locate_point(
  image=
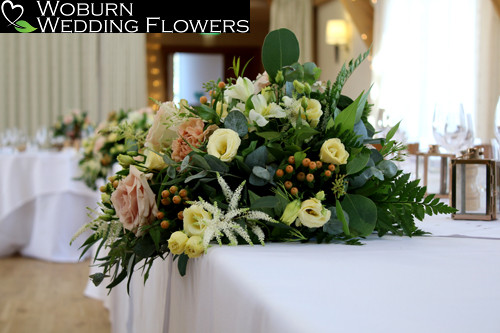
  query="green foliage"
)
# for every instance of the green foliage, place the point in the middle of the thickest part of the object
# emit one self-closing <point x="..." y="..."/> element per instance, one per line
<point x="280" y="49"/>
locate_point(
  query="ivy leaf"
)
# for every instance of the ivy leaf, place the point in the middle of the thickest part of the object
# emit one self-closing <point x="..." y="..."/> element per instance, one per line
<point x="280" y="48"/>
<point x="24" y="26"/>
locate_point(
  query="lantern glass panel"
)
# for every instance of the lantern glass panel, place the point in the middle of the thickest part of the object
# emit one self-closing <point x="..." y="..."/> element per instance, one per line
<point x="471" y="189"/>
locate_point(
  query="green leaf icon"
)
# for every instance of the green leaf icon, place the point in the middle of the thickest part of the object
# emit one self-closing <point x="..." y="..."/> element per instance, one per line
<point x="24" y="26"/>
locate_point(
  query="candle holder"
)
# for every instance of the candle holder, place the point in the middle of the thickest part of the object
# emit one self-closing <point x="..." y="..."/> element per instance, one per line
<point x="432" y="168"/>
<point x="473" y="186"/>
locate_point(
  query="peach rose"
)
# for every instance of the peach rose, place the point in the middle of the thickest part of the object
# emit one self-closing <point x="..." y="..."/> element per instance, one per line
<point x="191" y="133"/>
<point x="134" y="201"/>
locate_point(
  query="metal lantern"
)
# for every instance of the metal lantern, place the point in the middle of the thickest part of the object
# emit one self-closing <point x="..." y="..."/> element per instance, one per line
<point x="433" y="169"/>
<point x="473" y="186"/>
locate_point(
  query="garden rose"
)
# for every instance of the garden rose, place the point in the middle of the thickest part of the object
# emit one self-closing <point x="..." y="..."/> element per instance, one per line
<point x="190" y="133"/>
<point x="224" y="144"/>
<point x="177" y="242"/>
<point x="193" y="220"/>
<point x="134" y="201"/>
<point x="333" y="151"/>
<point x="312" y="214"/>
<point x="194" y="247"/>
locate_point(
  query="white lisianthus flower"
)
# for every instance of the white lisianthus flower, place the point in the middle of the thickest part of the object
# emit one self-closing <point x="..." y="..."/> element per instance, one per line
<point x="177" y="242"/>
<point x="312" y="214"/>
<point x="154" y="161"/>
<point x="313" y="112"/>
<point x="193" y="219"/>
<point x="194" y="247"/>
<point x="333" y="151"/>
<point x="263" y="111"/>
<point x="242" y="90"/>
<point x="224" y="144"/>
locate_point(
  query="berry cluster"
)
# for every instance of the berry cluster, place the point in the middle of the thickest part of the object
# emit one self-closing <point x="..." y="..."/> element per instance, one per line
<point x="302" y="175"/>
<point x="173" y="202"/>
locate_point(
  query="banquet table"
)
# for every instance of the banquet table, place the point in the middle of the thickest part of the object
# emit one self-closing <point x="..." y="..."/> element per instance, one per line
<point x="41" y="204"/>
<point x="448" y="281"/>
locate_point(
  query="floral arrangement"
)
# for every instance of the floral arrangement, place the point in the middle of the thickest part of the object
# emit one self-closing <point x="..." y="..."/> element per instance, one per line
<point x="280" y="158"/>
<point x="122" y="131"/>
<point x="72" y="126"/>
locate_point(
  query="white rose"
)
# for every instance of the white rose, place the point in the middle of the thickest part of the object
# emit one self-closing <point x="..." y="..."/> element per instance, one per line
<point x="333" y="151"/>
<point x="224" y="144"/>
<point x="312" y="214"/>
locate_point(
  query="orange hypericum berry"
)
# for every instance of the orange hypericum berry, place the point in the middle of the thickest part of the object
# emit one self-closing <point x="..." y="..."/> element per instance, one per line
<point x="160" y="215"/>
<point x="301" y="176"/>
<point x="305" y="162"/>
<point x="173" y="189"/>
<point x="289" y="169"/>
<point x="165" y="194"/>
<point x="183" y="193"/>
<point x="102" y="188"/>
<point x="280" y="173"/>
<point x="331" y="167"/>
<point x="177" y="199"/>
<point x="319" y="164"/>
<point x="203" y="99"/>
<point x="180" y="215"/>
<point x="328" y="173"/>
<point x="310" y="177"/>
<point x="164" y="224"/>
<point x="288" y="184"/>
<point x="294" y="191"/>
<point x="165" y="201"/>
<point x="211" y="92"/>
<point x="312" y="165"/>
<point x="115" y="184"/>
<point x="291" y="159"/>
<point x="222" y="85"/>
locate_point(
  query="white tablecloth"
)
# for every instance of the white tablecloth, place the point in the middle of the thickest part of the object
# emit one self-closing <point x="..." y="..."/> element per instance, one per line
<point x="448" y="282"/>
<point x="41" y="205"/>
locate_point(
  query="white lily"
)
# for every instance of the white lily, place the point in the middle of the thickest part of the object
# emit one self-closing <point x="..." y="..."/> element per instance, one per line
<point x="263" y="111"/>
<point x="242" y="90"/>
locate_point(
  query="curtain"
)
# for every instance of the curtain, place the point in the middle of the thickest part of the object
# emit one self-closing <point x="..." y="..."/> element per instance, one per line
<point x="297" y="16"/>
<point x="46" y="75"/>
<point x="425" y="51"/>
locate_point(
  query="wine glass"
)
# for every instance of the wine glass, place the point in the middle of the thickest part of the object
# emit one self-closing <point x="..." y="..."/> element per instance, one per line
<point x="469" y="137"/>
<point x="449" y="126"/>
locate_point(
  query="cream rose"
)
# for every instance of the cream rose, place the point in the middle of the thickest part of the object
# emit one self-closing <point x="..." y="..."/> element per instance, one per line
<point x="224" y="144"/>
<point x="312" y="214"/>
<point x="333" y="151"/>
<point x="194" y="247"/>
<point x="134" y="201"/>
<point x="193" y="220"/>
<point x="177" y="242"/>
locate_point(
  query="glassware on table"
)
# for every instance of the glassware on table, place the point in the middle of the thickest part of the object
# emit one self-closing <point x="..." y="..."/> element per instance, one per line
<point x="449" y="126"/>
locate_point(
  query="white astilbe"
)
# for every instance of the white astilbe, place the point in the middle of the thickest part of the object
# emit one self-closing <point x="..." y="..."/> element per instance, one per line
<point x="223" y="223"/>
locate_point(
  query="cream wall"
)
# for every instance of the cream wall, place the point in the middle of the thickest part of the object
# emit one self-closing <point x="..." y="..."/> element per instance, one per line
<point x="361" y="79"/>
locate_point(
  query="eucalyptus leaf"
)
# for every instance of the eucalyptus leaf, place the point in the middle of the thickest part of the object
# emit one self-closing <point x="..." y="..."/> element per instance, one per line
<point x="236" y="121"/>
<point x="216" y="164"/>
<point x="199" y="161"/>
<point x="311" y="72"/>
<point x="280" y="48"/>
<point x="388" y="168"/>
<point x="257" y="158"/>
<point x="200" y="174"/>
<point x="261" y="173"/>
<point x="185" y="163"/>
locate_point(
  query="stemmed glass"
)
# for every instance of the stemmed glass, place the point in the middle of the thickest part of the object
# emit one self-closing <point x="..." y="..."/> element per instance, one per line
<point x="449" y="126"/>
<point x="497" y="120"/>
